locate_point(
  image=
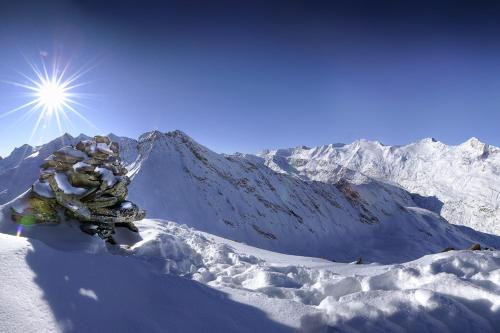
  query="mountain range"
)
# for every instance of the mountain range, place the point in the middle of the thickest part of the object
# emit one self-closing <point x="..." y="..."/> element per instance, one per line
<point x="338" y="201"/>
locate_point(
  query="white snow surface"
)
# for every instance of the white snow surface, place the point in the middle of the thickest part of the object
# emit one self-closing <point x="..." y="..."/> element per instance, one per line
<point x="43" y="189"/>
<point x="66" y="187"/>
<point x="453" y="291"/>
<point x="80" y="165"/>
<point x="107" y="176"/>
<point x="173" y="278"/>
<point x="104" y="147"/>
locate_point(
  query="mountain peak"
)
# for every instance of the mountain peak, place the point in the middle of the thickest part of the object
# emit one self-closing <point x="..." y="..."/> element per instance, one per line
<point x="473" y="142"/>
<point x="66" y="138"/>
<point x="24" y="149"/>
<point x="151" y="136"/>
<point x="112" y="135"/>
<point x="179" y="134"/>
<point x="429" y="140"/>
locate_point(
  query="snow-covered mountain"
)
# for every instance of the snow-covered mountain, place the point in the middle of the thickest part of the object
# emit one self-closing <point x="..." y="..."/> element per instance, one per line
<point x="269" y="202"/>
<point x="464" y="180"/>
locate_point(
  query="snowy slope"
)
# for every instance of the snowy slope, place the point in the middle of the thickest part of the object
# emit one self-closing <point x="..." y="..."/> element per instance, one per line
<point x="176" y="279"/>
<point x="463" y="180"/>
<point x="241" y="197"/>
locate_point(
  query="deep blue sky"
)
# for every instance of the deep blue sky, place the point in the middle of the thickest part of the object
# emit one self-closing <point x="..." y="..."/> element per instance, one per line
<point x="248" y="75"/>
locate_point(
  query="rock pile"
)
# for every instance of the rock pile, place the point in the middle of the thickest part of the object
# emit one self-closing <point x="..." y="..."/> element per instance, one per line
<point x="87" y="183"/>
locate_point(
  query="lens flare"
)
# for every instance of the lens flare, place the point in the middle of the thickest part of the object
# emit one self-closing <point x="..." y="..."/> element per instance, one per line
<point x="52" y="95"/>
<point x="19" y="230"/>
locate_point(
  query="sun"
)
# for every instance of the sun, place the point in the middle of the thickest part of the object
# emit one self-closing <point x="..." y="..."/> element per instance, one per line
<point x="52" y="95"/>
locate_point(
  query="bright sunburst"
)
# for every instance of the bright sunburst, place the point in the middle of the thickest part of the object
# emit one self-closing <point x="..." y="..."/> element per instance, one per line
<point x="52" y="95"/>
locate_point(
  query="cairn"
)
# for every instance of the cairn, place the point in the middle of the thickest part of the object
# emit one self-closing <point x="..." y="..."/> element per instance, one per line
<point x="86" y="182"/>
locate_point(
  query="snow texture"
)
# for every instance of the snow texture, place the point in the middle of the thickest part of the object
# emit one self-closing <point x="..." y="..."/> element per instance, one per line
<point x="80" y="165"/>
<point x="66" y="187"/>
<point x="43" y="189"/>
<point x="107" y="176"/>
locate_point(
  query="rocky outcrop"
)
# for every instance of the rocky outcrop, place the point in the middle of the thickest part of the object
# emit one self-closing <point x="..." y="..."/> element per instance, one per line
<point x="85" y="182"/>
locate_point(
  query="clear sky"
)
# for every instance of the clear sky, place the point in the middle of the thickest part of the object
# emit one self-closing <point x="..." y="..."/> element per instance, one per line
<point x="248" y="75"/>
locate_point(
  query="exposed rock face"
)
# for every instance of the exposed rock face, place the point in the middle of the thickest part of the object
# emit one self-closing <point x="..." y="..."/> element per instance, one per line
<point x="475" y="247"/>
<point x="86" y="182"/>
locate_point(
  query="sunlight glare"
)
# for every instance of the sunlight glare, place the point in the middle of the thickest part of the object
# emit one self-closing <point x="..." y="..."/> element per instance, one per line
<point x="52" y="96"/>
